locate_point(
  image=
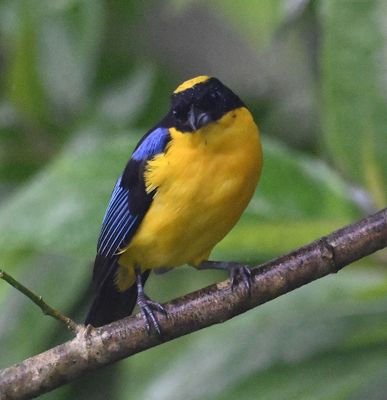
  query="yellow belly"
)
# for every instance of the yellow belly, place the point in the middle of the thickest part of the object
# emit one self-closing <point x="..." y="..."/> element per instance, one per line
<point x="204" y="182"/>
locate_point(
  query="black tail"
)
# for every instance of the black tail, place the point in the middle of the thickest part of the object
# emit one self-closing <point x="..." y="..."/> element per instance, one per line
<point x="111" y="305"/>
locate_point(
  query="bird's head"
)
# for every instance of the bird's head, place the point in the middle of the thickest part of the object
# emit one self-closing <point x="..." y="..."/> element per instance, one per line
<point x="200" y="101"/>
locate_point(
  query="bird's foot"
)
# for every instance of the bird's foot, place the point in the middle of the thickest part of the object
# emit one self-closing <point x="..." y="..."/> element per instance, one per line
<point x="240" y="273"/>
<point x="237" y="272"/>
<point x="147" y="308"/>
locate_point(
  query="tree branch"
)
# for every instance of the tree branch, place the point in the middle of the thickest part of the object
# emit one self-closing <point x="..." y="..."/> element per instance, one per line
<point x="214" y="304"/>
<point x="38" y="300"/>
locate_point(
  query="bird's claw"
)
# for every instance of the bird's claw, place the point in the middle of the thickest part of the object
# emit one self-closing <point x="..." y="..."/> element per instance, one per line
<point x="147" y="308"/>
<point x="240" y="273"/>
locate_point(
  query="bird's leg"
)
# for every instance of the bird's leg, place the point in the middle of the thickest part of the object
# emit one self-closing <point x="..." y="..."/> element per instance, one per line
<point x="148" y="306"/>
<point x="236" y="272"/>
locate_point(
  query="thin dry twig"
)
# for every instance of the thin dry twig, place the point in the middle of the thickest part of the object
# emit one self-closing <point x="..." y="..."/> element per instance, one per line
<point x="38" y="300"/>
<point x="214" y="304"/>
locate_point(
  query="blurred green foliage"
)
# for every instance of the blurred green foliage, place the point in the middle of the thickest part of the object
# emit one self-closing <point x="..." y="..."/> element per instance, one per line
<point x="82" y="80"/>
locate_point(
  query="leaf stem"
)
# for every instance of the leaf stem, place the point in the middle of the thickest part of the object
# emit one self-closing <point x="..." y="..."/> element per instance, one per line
<point x="38" y="300"/>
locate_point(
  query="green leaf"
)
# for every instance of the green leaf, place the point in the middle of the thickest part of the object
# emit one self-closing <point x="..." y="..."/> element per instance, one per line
<point x="123" y="102"/>
<point x="258" y="24"/>
<point x="24" y="87"/>
<point x="353" y="83"/>
<point x="48" y="235"/>
<point x="70" y="35"/>
<point x="68" y="198"/>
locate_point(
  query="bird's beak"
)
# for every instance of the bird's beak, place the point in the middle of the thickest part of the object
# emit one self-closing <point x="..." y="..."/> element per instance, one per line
<point x="197" y="118"/>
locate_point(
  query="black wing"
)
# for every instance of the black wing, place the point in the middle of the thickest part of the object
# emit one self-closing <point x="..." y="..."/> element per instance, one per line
<point x="128" y="205"/>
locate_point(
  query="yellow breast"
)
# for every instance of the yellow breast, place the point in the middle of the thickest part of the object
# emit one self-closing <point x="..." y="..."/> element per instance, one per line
<point x="204" y="181"/>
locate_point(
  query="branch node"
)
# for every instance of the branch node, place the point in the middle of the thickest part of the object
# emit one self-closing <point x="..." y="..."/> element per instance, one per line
<point x="332" y="254"/>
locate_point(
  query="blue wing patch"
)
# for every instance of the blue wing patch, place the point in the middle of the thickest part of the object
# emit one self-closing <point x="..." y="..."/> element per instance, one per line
<point x="127" y="207"/>
<point x="117" y="223"/>
<point x="129" y="201"/>
<point x="151" y="144"/>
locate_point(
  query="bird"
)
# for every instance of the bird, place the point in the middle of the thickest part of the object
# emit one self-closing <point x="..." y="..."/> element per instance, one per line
<point x="185" y="186"/>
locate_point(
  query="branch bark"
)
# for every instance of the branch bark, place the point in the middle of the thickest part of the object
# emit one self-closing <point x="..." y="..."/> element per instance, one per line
<point x="211" y="305"/>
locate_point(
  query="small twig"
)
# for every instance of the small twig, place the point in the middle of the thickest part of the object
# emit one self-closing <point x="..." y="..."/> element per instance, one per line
<point x="38" y="300"/>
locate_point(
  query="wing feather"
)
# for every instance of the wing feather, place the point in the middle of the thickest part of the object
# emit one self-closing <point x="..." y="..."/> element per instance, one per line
<point x="128" y="204"/>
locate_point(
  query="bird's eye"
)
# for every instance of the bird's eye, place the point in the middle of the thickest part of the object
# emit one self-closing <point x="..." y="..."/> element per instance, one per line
<point x="180" y="113"/>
